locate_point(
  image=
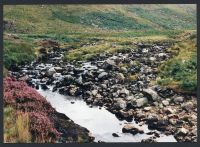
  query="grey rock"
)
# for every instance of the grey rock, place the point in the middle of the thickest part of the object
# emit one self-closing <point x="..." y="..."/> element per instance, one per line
<point x="187" y="106"/>
<point x="124" y="92"/>
<point x="165" y="102"/>
<point x="102" y="75"/>
<point x="120" y="77"/>
<point x="151" y="94"/>
<point x="51" y="71"/>
<point x="120" y="104"/>
<point x="141" y="102"/>
<point x="178" y="99"/>
<point x="129" y="128"/>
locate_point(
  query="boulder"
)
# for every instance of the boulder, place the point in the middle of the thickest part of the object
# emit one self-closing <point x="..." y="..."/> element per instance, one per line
<point x="102" y="75"/>
<point x="123" y="93"/>
<point x="165" y="102"/>
<point x="51" y="71"/>
<point x="120" y="77"/>
<point x="109" y="64"/>
<point x="182" y="131"/>
<point x="94" y="92"/>
<point x="120" y="104"/>
<point x="151" y="94"/>
<point x="188" y="106"/>
<point x="115" y="135"/>
<point x="124" y="69"/>
<point x="129" y="128"/>
<point x="44" y="86"/>
<point x="178" y="99"/>
<point x="141" y="102"/>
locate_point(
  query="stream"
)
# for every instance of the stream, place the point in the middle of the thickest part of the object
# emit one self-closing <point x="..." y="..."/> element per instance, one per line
<point x="56" y="80"/>
<point x="100" y="122"/>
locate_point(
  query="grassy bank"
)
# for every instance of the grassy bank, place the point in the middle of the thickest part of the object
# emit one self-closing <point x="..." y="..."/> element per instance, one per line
<point x="180" y="72"/>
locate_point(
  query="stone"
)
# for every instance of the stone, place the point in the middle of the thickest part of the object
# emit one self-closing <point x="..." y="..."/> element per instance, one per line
<point x="152" y="58"/>
<point x="51" y="71"/>
<point x="102" y="75"/>
<point x="165" y="102"/>
<point x="187" y="106"/>
<point x="145" y="50"/>
<point x="120" y="77"/>
<point x="182" y="131"/>
<point x="108" y="64"/>
<point x="115" y="135"/>
<point x="120" y="104"/>
<point x="141" y="102"/>
<point x="124" y="69"/>
<point x="94" y="92"/>
<point x="170" y="111"/>
<point x="147" y="108"/>
<point x="178" y="99"/>
<point x="44" y="86"/>
<point x="151" y="94"/>
<point x="124" y="92"/>
<point x="129" y="128"/>
<point x="58" y="69"/>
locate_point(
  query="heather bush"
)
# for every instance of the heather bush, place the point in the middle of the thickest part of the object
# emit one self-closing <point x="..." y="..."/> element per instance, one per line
<point x="27" y="100"/>
<point x="42" y="128"/>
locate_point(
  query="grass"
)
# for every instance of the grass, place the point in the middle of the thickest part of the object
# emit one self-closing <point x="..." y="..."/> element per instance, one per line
<point x="17" y="52"/>
<point x="87" y="49"/>
<point x="180" y="72"/>
<point x="16" y="126"/>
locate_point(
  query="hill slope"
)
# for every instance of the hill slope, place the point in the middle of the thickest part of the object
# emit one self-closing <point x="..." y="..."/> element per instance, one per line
<point x="47" y="19"/>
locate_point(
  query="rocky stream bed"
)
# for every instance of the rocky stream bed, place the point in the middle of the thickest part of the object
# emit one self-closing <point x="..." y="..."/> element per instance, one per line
<point x="119" y="84"/>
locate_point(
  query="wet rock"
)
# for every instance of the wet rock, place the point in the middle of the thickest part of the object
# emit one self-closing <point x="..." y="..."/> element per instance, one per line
<point x="122" y="115"/>
<point x="54" y="89"/>
<point x="58" y="69"/>
<point x="79" y="80"/>
<point x="149" y="140"/>
<point x="103" y="75"/>
<point x="44" y="86"/>
<point x="37" y="86"/>
<point x="50" y="72"/>
<point x="115" y="135"/>
<point x="129" y="128"/>
<point x="152" y="120"/>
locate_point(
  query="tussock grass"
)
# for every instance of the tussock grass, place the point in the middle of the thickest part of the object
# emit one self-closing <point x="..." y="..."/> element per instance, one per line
<point x="16" y="126"/>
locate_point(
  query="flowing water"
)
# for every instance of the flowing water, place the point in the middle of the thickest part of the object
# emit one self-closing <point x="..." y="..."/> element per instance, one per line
<point x="100" y="122"/>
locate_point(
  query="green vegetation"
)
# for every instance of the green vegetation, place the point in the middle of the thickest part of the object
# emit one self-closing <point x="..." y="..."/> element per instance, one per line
<point x="110" y="27"/>
<point x="17" y="52"/>
<point x="92" y="29"/>
<point x="180" y="72"/>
